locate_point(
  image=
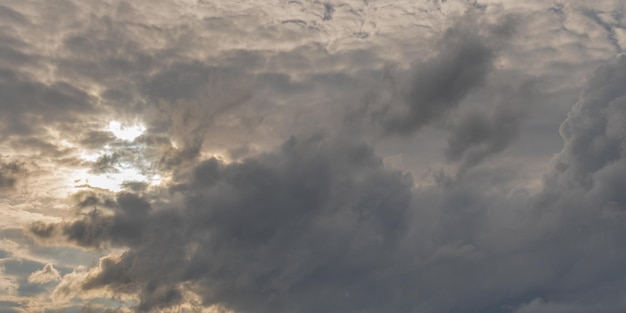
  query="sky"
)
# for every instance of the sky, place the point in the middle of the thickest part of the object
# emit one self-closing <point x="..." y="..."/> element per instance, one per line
<point x="349" y="156"/>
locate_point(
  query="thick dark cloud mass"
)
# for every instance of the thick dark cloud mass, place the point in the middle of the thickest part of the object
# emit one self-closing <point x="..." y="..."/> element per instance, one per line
<point x="320" y="225"/>
<point x="310" y="228"/>
<point x="304" y="156"/>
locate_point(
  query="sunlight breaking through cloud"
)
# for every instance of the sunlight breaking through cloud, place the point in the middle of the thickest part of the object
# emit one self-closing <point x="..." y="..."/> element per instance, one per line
<point x="312" y="156"/>
<point x="125" y="132"/>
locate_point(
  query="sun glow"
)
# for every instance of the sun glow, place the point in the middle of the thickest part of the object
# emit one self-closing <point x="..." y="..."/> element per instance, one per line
<point x="110" y="181"/>
<point x="114" y="182"/>
<point x="121" y="171"/>
<point x="123" y="132"/>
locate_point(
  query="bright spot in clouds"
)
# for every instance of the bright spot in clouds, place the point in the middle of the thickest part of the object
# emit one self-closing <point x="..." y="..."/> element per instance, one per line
<point x="125" y="172"/>
<point x="109" y="181"/>
<point x="113" y="181"/>
<point x="123" y="132"/>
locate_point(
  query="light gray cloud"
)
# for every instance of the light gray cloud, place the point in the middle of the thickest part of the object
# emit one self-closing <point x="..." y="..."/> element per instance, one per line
<point x="594" y="131"/>
<point x="45" y="275"/>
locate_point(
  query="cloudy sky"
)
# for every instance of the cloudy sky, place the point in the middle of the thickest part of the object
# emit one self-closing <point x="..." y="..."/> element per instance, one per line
<point x="349" y="156"/>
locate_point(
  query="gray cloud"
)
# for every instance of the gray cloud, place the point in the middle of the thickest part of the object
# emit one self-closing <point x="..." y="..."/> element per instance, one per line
<point x="96" y="139"/>
<point x="320" y="225"/>
<point x="478" y="136"/>
<point x="22" y="95"/>
<point x="479" y="133"/>
<point x="461" y="64"/>
<point x="10" y="174"/>
<point x="10" y="306"/>
<point x="580" y="202"/>
<point x="12" y="15"/>
<point x="594" y="129"/>
<point x="610" y="29"/>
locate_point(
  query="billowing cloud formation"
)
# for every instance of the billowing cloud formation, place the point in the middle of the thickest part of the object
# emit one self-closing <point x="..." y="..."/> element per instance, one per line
<point x="303" y="156"/>
<point x="313" y="219"/>
<point x="580" y="208"/>
<point x="595" y="130"/>
<point x="45" y="275"/>
<point x="320" y="225"/>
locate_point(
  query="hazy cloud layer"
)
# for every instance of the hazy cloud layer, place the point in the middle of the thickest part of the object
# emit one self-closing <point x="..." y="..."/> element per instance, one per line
<point x="339" y="156"/>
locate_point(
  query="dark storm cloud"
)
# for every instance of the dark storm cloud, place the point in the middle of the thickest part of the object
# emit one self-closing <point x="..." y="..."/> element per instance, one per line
<point x="320" y="225"/>
<point x="462" y="61"/>
<point x="315" y="214"/>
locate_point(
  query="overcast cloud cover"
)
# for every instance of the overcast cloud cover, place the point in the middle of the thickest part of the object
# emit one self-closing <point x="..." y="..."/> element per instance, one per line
<point x="310" y="157"/>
